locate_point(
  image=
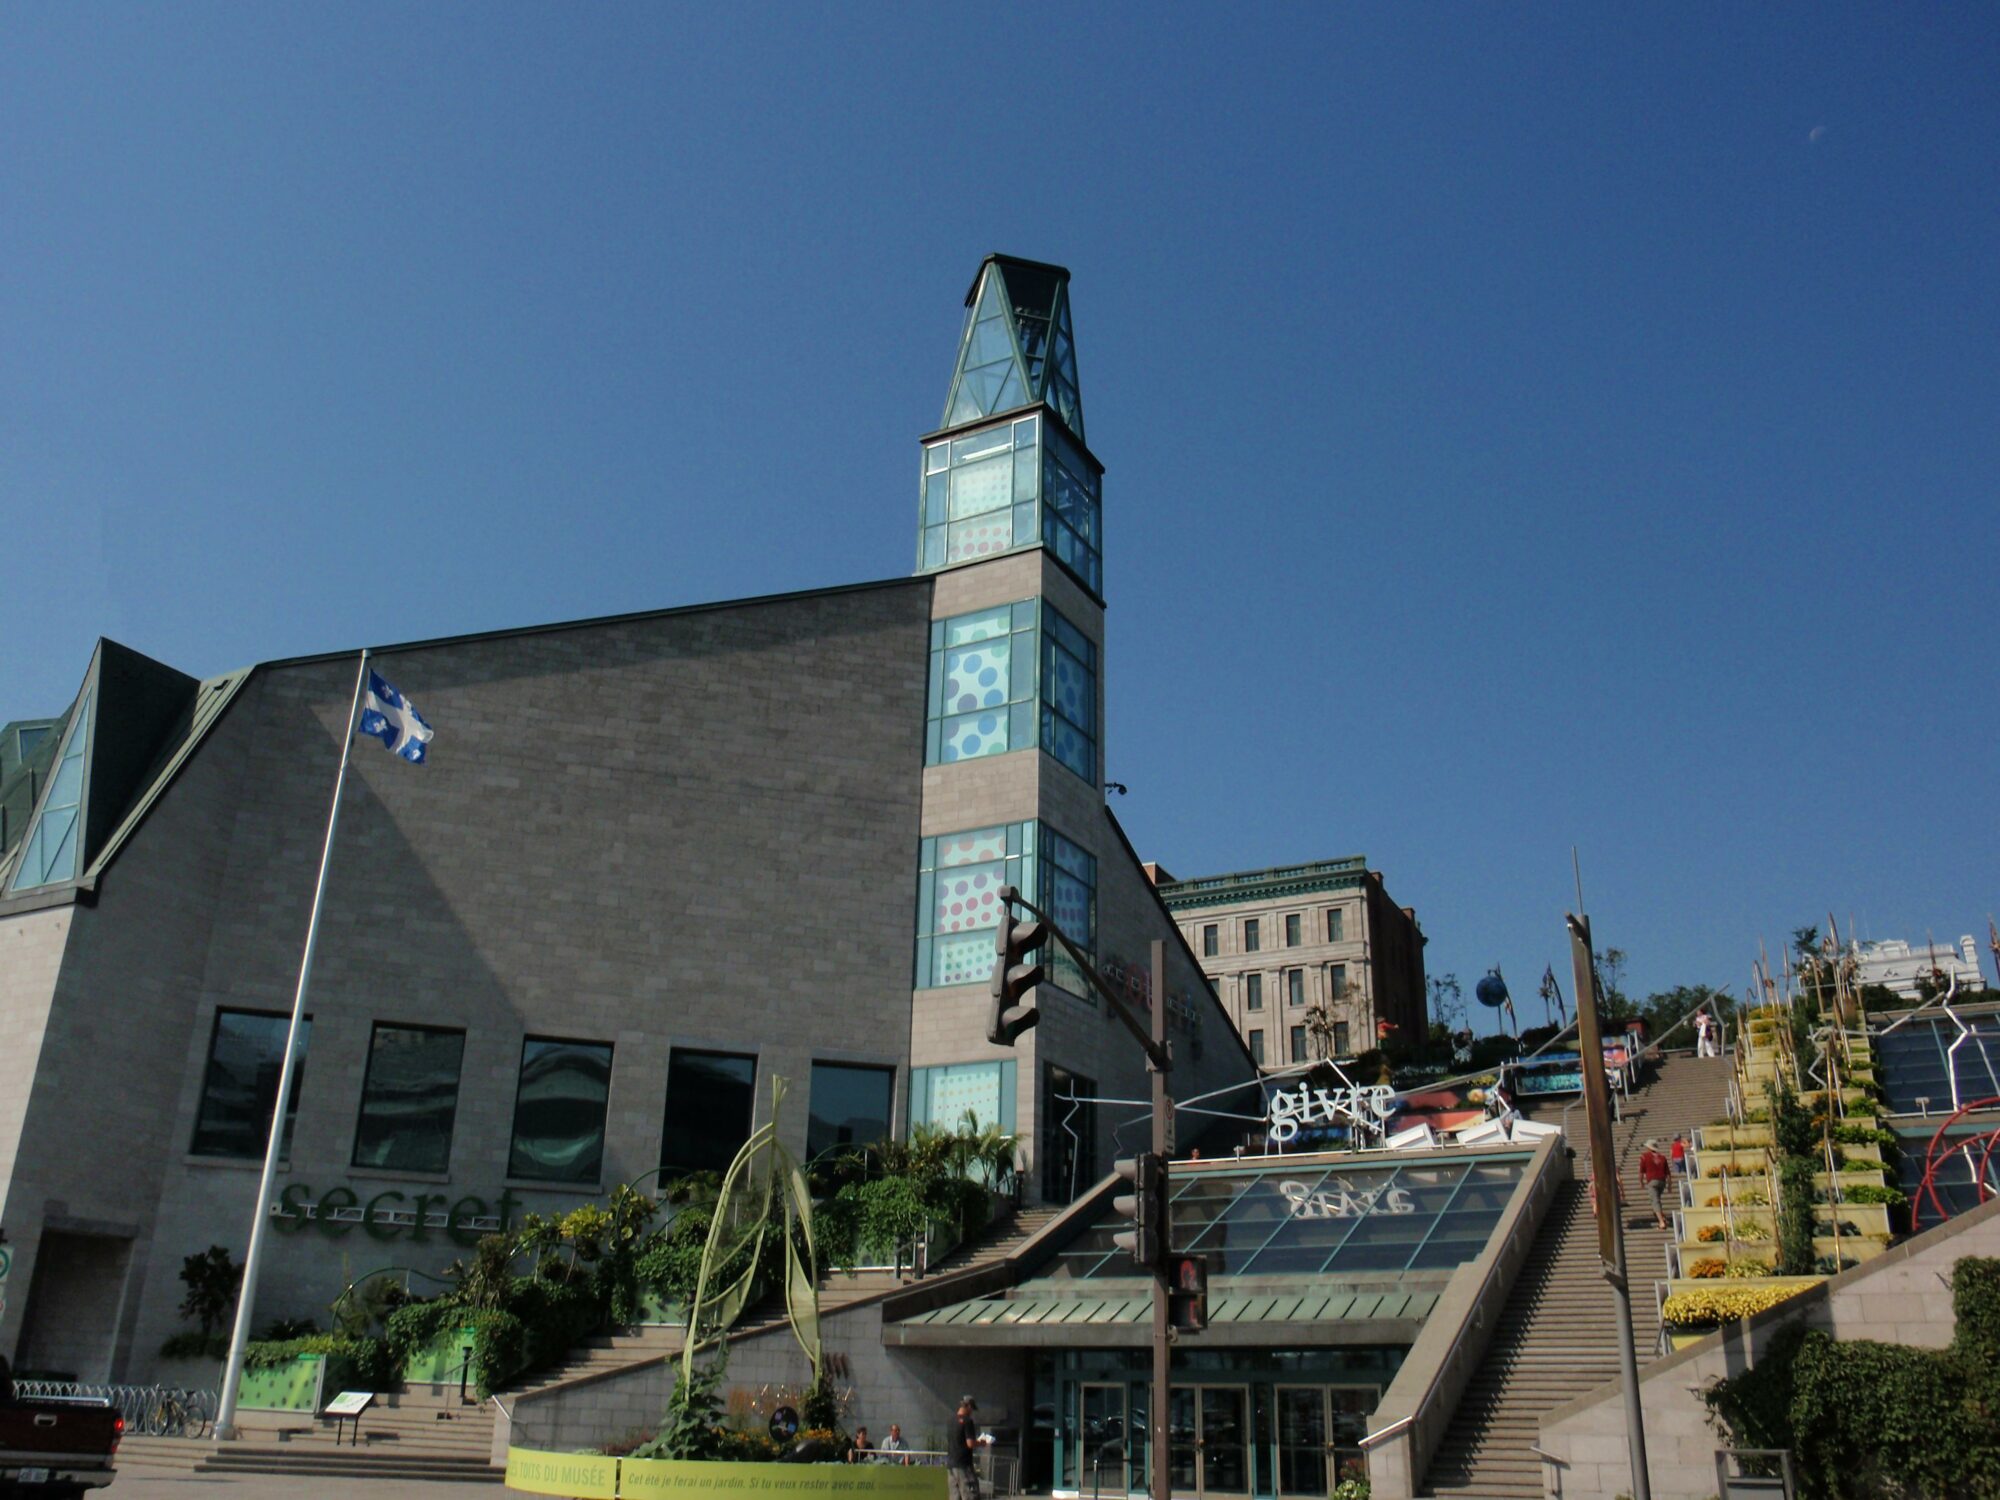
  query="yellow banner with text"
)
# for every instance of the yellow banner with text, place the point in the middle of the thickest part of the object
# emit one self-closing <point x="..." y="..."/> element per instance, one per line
<point x="590" y="1476"/>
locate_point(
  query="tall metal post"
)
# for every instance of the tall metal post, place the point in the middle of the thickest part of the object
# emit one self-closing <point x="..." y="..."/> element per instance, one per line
<point x="253" y="1258"/>
<point x="1163" y="1144"/>
<point x="1604" y="1172"/>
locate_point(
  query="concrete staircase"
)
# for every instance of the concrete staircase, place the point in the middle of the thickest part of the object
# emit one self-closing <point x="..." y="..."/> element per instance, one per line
<point x="412" y="1436"/>
<point x="422" y="1436"/>
<point x="1556" y="1337"/>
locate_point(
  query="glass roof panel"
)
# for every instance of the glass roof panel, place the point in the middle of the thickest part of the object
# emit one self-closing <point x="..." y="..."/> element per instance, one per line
<point x="1312" y="1216"/>
<point x="50" y="853"/>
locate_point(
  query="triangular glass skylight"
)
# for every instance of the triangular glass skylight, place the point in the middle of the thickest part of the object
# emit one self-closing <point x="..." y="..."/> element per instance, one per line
<point x="49" y="853"/>
<point x="1017" y="346"/>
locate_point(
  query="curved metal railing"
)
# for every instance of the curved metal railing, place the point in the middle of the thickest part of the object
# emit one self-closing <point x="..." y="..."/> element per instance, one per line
<point x="148" y="1410"/>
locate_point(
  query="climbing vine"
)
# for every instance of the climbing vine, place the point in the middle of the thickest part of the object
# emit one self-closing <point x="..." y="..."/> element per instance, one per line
<point x="1874" y="1421"/>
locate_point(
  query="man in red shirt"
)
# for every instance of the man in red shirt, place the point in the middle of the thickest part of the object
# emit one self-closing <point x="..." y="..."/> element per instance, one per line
<point x="1653" y="1171"/>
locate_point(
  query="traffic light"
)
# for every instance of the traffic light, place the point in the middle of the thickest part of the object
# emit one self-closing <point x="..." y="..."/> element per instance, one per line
<point x="1187" y="1292"/>
<point x="1013" y="974"/>
<point x="1145" y="1207"/>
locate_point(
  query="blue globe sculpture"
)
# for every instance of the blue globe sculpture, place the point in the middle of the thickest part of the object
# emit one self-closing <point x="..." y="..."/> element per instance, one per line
<point x="1491" y="991"/>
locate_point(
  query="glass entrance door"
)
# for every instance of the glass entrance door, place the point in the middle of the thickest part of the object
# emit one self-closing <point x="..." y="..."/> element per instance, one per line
<point x="1303" y="1449"/>
<point x="1101" y="1433"/>
<point x="1209" y="1436"/>
<point x="1222" y="1441"/>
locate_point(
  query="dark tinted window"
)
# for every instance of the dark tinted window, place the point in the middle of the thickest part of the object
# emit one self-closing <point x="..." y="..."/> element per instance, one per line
<point x="850" y="1106"/>
<point x="711" y="1098"/>
<point x="1210" y="941"/>
<point x="1257" y="1047"/>
<point x="410" y="1099"/>
<point x="1291" y="932"/>
<point x="240" y="1088"/>
<point x="559" y="1111"/>
<point x="1252" y="935"/>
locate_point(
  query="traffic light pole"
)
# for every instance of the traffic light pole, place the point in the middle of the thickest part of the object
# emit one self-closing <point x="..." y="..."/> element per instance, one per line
<point x="1014" y="978"/>
<point x="1158" y="1059"/>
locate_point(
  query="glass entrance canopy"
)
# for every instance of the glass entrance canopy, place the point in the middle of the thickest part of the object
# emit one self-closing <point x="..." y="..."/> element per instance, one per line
<point x="1312" y="1218"/>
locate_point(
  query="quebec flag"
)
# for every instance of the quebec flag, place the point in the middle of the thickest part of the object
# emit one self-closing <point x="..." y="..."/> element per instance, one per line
<point x="393" y="719"/>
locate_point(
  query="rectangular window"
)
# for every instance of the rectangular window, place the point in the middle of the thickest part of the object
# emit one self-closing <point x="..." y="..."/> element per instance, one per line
<point x="1336" y="926"/>
<point x="1292" y="935"/>
<point x="711" y="1102"/>
<point x="1211" y="941"/>
<point x="850" y="1106"/>
<point x="1069" y="695"/>
<point x="979" y="494"/>
<point x="943" y="1095"/>
<point x="959" y="876"/>
<point x="409" y="1099"/>
<point x="1253" y="991"/>
<point x="1253" y="937"/>
<point x="1299" y="1044"/>
<point x="559" y="1111"/>
<point x="982" y="684"/>
<point x="240" y="1087"/>
<point x="1070" y="514"/>
<point x="1068" y="880"/>
<point x="1336" y="980"/>
<point x="1295" y="986"/>
<point x="1257" y="1048"/>
<point x="1340" y="1038"/>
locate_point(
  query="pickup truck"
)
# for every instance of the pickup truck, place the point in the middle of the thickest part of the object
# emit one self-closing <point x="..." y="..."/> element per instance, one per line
<point x="54" y="1449"/>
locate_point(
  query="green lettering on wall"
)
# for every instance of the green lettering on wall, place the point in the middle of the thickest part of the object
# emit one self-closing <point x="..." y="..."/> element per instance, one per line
<point x="291" y="1215"/>
<point x="457" y="1226"/>
<point x="331" y="1199"/>
<point x="375" y="1228"/>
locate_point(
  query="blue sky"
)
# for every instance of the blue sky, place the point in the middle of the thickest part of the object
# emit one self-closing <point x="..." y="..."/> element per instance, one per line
<point x="1525" y="426"/>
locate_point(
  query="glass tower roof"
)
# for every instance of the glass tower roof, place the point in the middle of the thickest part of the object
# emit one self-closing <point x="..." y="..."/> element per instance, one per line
<point x="1018" y="346"/>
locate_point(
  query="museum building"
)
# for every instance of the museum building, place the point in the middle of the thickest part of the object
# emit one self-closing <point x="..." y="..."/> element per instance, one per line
<point x="652" y="862"/>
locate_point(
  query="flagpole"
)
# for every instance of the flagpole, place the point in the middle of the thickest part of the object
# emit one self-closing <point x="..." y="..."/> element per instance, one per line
<point x="239" y="1339"/>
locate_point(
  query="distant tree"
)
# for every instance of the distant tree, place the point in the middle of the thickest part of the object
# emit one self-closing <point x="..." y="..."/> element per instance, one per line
<point x="1610" y="966"/>
<point x="1663" y="1008"/>
<point x="1447" y="1003"/>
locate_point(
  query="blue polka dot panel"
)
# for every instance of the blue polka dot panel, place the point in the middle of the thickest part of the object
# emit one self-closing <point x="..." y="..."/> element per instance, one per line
<point x="985" y="684"/>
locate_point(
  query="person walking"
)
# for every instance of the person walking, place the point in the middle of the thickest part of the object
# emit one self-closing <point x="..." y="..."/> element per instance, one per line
<point x="959" y="1448"/>
<point x="1677" y="1157"/>
<point x="1704" y="1035"/>
<point x="1653" y="1171"/>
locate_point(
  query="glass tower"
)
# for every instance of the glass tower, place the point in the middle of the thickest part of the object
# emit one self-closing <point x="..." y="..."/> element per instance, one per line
<point x="1010" y="524"/>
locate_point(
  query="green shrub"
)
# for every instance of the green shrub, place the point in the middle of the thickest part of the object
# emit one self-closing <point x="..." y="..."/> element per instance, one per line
<point x="1868" y="1420"/>
<point x="373" y="1364"/>
<point x="1869" y="1192"/>
<point x="1795" y="1216"/>
<point x="194" y="1344"/>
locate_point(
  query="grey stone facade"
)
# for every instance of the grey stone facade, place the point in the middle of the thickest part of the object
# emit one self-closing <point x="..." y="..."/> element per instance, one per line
<point x="692" y="828"/>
